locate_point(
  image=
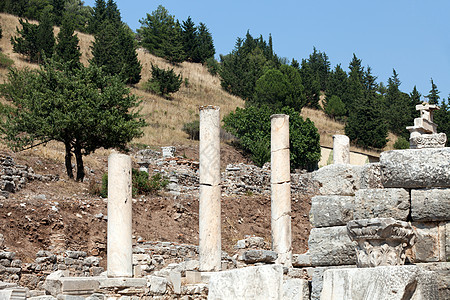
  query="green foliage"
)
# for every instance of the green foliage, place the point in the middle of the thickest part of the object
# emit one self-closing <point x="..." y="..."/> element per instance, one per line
<point x="45" y="36"/>
<point x="141" y="184"/>
<point x="442" y="118"/>
<point x="161" y="35"/>
<point x="204" y="46"/>
<point x="314" y="72"/>
<point x="67" y="49"/>
<point x="365" y="124"/>
<point x="401" y="143"/>
<point x="80" y="14"/>
<point x="5" y="61"/>
<point x="192" y="129"/>
<point x="1" y="32"/>
<point x="252" y="126"/>
<point x="163" y="82"/>
<point x="334" y="107"/>
<point x="83" y="108"/>
<point x="26" y="41"/>
<point x="433" y="96"/>
<point x="213" y="66"/>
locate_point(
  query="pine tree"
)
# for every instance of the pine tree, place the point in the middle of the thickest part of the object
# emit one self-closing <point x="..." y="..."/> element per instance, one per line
<point x="337" y="83"/>
<point x="398" y="107"/>
<point x="98" y="16"/>
<point x="45" y="35"/>
<point x="433" y="96"/>
<point x="189" y="38"/>
<point x="442" y="118"/>
<point x="205" y="47"/>
<point x="67" y="49"/>
<point x="58" y="11"/>
<point x="26" y="41"/>
<point x="415" y="100"/>
<point x="112" y="13"/>
<point x="131" y="67"/>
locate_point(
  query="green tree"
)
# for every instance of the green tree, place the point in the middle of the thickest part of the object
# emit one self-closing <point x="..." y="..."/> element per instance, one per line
<point x="67" y="49"/>
<point x="1" y="32"/>
<point x="337" y="83"/>
<point x="334" y="107"/>
<point x="433" y="96"/>
<point x="415" y="100"/>
<point x="164" y="82"/>
<point x="161" y="35"/>
<point x="252" y="126"/>
<point x="45" y="35"/>
<point x="442" y="118"/>
<point x="204" y="45"/>
<point x="189" y="38"/>
<point x="80" y="14"/>
<point x="398" y="107"/>
<point x="83" y="108"/>
<point x="58" y="11"/>
<point x="98" y="16"/>
<point x="25" y="42"/>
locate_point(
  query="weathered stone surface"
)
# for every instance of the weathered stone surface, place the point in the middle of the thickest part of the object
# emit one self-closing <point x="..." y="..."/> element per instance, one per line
<point x="442" y="277"/>
<point x="341" y="149"/>
<point x="121" y="282"/>
<point x="435" y="140"/>
<point x="381" y="203"/>
<point x="416" y="168"/>
<point x="371" y="176"/>
<point x="381" y="241"/>
<point x="158" y="285"/>
<point x="430" y="204"/>
<point x="262" y="282"/>
<point x="71" y="285"/>
<point x="393" y="283"/>
<point x="13" y="293"/>
<point x="301" y="260"/>
<point x="332" y="210"/>
<point x="430" y="242"/>
<point x="338" y="179"/>
<point x="447" y="241"/>
<point x="295" y="289"/>
<point x="331" y="246"/>
<point x="316" y="275"/>
<point x="258" y="255"/>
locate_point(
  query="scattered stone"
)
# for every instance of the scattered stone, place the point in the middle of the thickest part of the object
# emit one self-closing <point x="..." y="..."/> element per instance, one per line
<point x="254" y="256"/>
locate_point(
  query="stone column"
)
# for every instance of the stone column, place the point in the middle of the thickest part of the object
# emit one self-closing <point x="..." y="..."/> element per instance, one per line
<point x="281" y="189"/>
<point x="119" y="251"/>
<point x="210" y="250"/>
<point x="341" y="149"/>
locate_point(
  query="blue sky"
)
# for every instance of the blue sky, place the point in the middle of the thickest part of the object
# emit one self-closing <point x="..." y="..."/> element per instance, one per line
<point x="410" y="36"/>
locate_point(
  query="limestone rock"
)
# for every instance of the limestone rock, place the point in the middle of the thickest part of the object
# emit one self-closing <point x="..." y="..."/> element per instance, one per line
<point x="331" y="210"/>
<point x="393" y="283"/>
<point x="259" y="255"/>
<point x="430" y="242"/>
<point x="416" y="168"/>
<point x="381" y="203"/>
<point x="430" y="204"/>
<point x="338" y="179"/>
<point x="301" y="260"/>
<point x="371" y="176"/>
<point x="295" y="289"/>
<point x="331" y="246"/>
<point x="261" y="282"/>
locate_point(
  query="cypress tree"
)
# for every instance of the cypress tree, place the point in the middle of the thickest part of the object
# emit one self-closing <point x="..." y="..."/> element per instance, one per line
<point x="45" y="35"/>
<point x="189" y="38"/>
<point x="205" y="47"/>
<point x="398" y="107"/>
<point x="433" y="96"/>
<point x="67" y="49"/>
<point x="98" y="16"/>
<point x="415" y="100"/>
<point x="26" y="41"/>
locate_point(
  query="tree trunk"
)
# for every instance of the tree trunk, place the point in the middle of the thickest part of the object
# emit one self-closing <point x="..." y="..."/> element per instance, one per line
<point x="79" y="159"/>
<point x="69" y="160"/>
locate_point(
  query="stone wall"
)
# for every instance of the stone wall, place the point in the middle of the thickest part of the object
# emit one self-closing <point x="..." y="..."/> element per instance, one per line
<point x="409" y="185"/>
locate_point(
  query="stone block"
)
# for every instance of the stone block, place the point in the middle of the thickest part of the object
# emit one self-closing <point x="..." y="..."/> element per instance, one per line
<point x="157" y="285"/>
<point x="316" y="275"/>
<point x="259" y="282"/>
<point x="430" y="242"/>
<point x="416" y="168"/>
<point x="371" y="176"/>
<point x="393" y="283"/>
<point x="78" y="285"/>
<point x="447" y="241"/>
<point x="175" y="279"/>
<point x="381" y="203"/>
<point x="331" y="246"/>
<point x="259" y="255"/>
<point x="14" y="293"/>
<point x="430" y="204"/>
<point x="121" y="282"/>
<point x="295" y="289"/>
<point x="301" y="260"/>
<point x="338" y="179"/>
<point x="442" y="271"/>
<point x="332" y="210"/>
<point x="193" y="277"/>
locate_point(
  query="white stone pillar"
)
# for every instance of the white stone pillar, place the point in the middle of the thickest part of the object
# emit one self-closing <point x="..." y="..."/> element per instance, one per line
<point x="210" y="249"/>
<point x="281" y="189"/>
<point x="341" y="149"/>
<point x="119" y="251"/>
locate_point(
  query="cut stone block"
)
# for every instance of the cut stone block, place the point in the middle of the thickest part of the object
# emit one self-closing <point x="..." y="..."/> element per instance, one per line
<point x="371" y="176"/>
<point x="295" y="289"/>
<point x="447" y="241"/>
<point x="430" y="242"/>
<point x="158" y="285"/>
<point x="393" y="283"/>
<point x="338" y="179"/>
<point x="316" y="275"/>
<point x="301" y="260"/>
<point x="121" y="282"/>
<point x="332" y="210"/>
<point x="442" y="271"/>
<point x="331" y="246"/>
<point x="175" y="279"/>
<point x="261" y="282"/>
<point x="259" y="255"/>
<point x="416" y="168"/>
<point x="430" y="204"/>
<point x="381" y="203"/>
<point x="16" y="293"/>
<point x="71" y="285"/>
<point x="193" y="277"/>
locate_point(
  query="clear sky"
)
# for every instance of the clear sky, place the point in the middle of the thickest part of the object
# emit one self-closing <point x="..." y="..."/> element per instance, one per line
<point x="410" y="36"/>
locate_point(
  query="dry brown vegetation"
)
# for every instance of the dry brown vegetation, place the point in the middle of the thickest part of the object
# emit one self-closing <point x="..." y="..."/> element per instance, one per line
<point x="165" y="117"/>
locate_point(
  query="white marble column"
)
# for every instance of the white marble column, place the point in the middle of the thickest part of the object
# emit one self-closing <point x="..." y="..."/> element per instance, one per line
<point x="281" y="189"/>
<point x="119" y="248"/>
<point x="341" y="149"/>
<point x="210" y="249"/>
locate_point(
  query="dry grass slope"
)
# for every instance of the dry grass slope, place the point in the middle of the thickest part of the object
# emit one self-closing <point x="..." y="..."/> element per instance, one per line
<point x="165" y="117"/>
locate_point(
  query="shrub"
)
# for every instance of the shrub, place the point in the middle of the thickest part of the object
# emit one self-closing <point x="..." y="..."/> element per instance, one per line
<point x="334" y="107"/>
<point x="163" y="82"/>
<point x="213" y="66"/>
<point x="142" y="184"/>
<point x="5" y="61"/>
<point x="401" y="143"/>
<point x="192" y="129"/>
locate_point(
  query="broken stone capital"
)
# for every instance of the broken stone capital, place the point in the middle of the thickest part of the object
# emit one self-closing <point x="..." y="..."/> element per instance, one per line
<point x="381" y="241"/>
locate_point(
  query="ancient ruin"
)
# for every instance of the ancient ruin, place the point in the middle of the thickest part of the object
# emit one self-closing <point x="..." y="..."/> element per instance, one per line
<point x="424" y="132"/>
<point x="380" y="231"/>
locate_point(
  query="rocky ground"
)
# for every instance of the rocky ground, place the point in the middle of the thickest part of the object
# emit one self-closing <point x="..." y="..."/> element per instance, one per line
<point x="63" y="215"/>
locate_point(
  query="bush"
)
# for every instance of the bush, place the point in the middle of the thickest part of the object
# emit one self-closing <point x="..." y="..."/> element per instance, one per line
<point x="192" y="129"/>
<point x="5" y="61"/>
<point x="142" y="184"/>
<point x="401" y="143"/>
<point x="252" y="126"/>
<point x="213" y="66"/>
<point x="334" y="107"/>
<point x="163" y="82"/>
